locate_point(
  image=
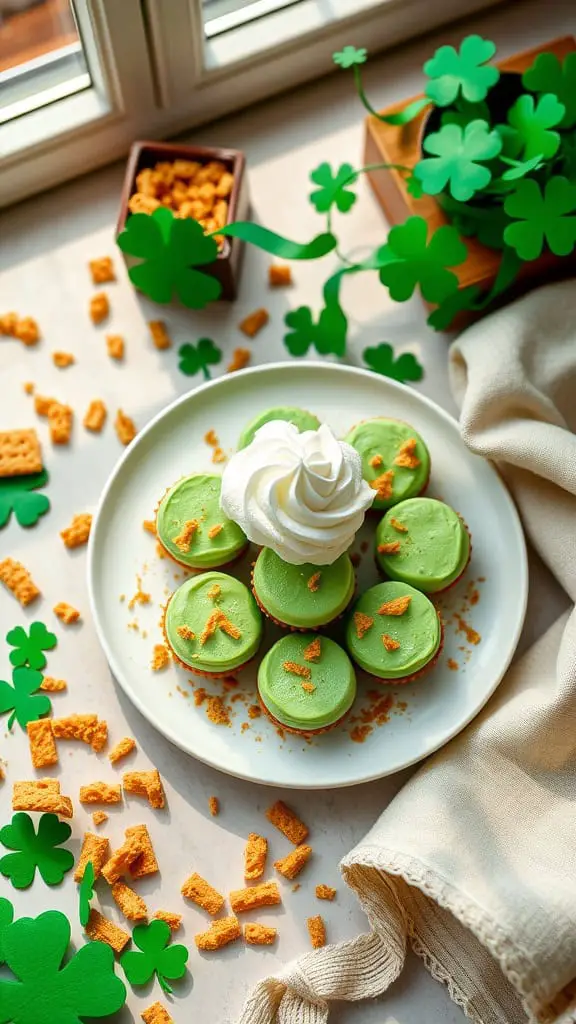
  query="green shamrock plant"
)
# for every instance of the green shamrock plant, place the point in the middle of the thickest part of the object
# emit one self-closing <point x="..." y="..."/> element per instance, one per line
<point x="193" y="358"/>
<point x="466" y="112"/>
<point x="18" y="495"/>
<point x="464" y="72"/>
<point x="457" y="159"/>
<point x="409" y="260"/>
<point x="157" y="957"/>
<point x="86" y="893"/>
<point x="6" y="918"/>
<point x="531" y="123"/>
<point x="541" y="216"/>
<point x="50" y="989"/>
<point x="170" y="247"/>
<point x="548" y="75"/>
<point x="404" y="368"/>
<point x="462" y="299"/>
<point x="334" y="190"/>
<point x="21" y="698"/>
<point x="28" y="647"/>
<point x="35" y="850"/>
<point x="349" y="56"/>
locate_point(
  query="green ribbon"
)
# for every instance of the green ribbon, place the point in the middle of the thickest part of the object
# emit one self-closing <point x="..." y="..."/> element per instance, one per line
<point x="270" y="242"/>
<point x="402" y="117"/>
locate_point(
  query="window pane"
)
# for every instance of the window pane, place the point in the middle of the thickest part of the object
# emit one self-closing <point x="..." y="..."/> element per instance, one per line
<point x="223" y="15"/>
<point x="41" y="55"/>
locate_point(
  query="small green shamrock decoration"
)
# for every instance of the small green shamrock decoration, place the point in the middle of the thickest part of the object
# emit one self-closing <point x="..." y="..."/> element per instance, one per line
<point x="6" y="918"/>
<point x="349" y="56"/>
<point x="86" y="893"/>
<point x="170" y="247"/>
<point x="541" y="217"/>
<point x="548" y="75"/>
<point x="381" y="360"/>
<point x="35" y="850"/>
<point x="409" y="260"/>
<point x="463" y="72"/>
<point x="19" y="700"/>
<point x="333" y="190"/>
<point x="531" y="123"/>
<point x="167" y="962"/>
<point x="464" y="298"/>
<point x="466" y="112"/>
<point x="28" y="647"/>
<point x="193" y="358"/>
<point x="328" y="336"/>
<point x="18" y="495"/>
<point x="414" y="187"/>
<point x="51" y="987"/>
<point x="457" y="155"/>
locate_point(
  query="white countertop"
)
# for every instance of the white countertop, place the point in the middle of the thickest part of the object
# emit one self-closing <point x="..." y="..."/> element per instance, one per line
<point x="45" y="244"/>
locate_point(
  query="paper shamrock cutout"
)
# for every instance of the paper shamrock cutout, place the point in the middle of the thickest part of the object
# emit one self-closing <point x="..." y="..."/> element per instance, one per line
<point x="327" y="336"/>
<point x="464" y="298"/>
<point x="18" y="495"/>
<point x="414" y="187"/>
<point x="170" y="248"/>
<point x="519" y="168"/>
<point x="486" y="223"/>
<point x="86" y="893"/>
<point x="158" y="957"/>
<point x="462" y="72"/>
<point x="21" y="698"/>
<point x="541" y="217"/>
<point x="35" y="850"/>
<point x="28" y="647"/>
<point x="381" y="360"/>
<point x="457" y="159"/>
<point x="466" y="112"/>
<point x="548" y="75"/>
<point x="193" y="358"/>
<point x="349" y="56"/>
<point x="531" y="123"/>
<point x="45" y="992"/>
<point x="6" y="918"/>
<point x="410" y="261"/>
<point x="334" y="188"/>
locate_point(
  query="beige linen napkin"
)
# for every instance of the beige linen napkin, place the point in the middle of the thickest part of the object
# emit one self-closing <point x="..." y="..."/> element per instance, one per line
<point x="474" y="862"/>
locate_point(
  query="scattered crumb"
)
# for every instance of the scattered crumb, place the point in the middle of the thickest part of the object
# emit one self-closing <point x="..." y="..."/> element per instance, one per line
<point x="376" y="461"/>
<point x="156" y="1014"/>
<point x="115" y="346"/>
<point x="147" y="784"/>
<point x="200" y="891"/>
<point x="254" y="711"/>
<point x="214" y="806"/>
<point x="28" y="387"/>
<point x="325" y="892"/>
<point x="145" y="863"/>
<point x="219" y="456"/>
<point x="100" y="929"/>
<point x="42" y="404"/>
<point x="100" y="737"/>
<point x="60" y="419"/>
<point x="292" y="865"/>
<point x="102" y="270"/>
<point x="266" y="894"/>
<point x="316" y="931"/>
<point x="210" y="437"/>
<point x="279" y="275"/>
<point x="99" y="308"/>
<point x="240" y="358"/>
<point x="140" y="597"/>
<point x="472" y="636"/>
<point x="63" y="359"/>
<point x="259" y="934"/>
<point x="160" y="657"/>
<point x="313" y="651"/>
<point x="124" y="747"/>
<point x="453" y="665"/>
<point x="407" y="455"/>
<point x="100" y="793"/>
<point x="296" y="886"/>
<point x="217" y="711"/>
<point x="255" y="853"/>
<point x="99" y="817"/>
<point x="42" y="746"/>
<point x="124" y="427"/>
<point x="383" y="485"/>
<point x="219" y="934"/>
<point x="392" y="548"/>
<point x="66" y="613"/>
<point x="215" y="530"/>
<point x="360" y="733"/>
<point x="284" y="819"/>
<point x="150" y="526"/>
<point x="78" y="532"/>
<point x="314" y="582"/>
<point x="362" y="623"/>
<point x="389" y="643"/>
<point x="160" y="336"/>
<point x="398" y="606"/>
<point x="399" y="527"/>
<point x="41" y="795"/>
<point x="27" y="331"/>
<point x="172" y="920"/>
<point x="121" y="860"/>
<point x="95" y="416"/>
<point x="187" y="533"/>
<point x="355" y="559"/>
<point x="51" y="685"/>
<point x="78" y="727"/>
<point x="130" y="903"/>
<point x="254" y="322"/>
<point x="95" y="849"/>
<point x="18" y="581"/>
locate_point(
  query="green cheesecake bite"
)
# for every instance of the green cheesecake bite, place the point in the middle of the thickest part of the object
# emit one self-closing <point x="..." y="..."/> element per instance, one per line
<point x="394" y="632"/>
<point x="191" y="526"/>
<point x="423" y="542"/>
<point x="213" y="624"/>
<point x="299" y="417"/>
<point x="302" y="596"/>
<point x="395" y="459"/>
<point x="306" y="683"/>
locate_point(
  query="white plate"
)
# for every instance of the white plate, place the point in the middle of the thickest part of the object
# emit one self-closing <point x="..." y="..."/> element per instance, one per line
<point x="438" y="706"/>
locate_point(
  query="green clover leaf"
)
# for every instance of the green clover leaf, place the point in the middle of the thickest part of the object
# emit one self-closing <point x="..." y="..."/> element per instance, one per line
<point x="170" y="247"/>
<point x="86" y="893"/>
<point x="463" y="73"/>
<point x="6" y="918"/>
<point x="349" y="56"/>
<point x="457" y="159"/>
<point x="167" y="962"/>
<point x="409" y="260"/>
<point x="414" y="187"/>
<point x="519" y="169"/>
<point x="381" y="360"/>
<point x="35" y="850"/>
<point x="466" y="112"/>
<point x="15" y="497"/>
<point x="28" y="647"/>
<point x="193" y="358"/>
<point x="19" y="700"/>
<point x="531" y="123"/>
<point x="328" y="336"/>
<point x="548" y="75"/>
<point x="333" y="190"/>
<point x="464" y="298"/>
<point x="569" y="157"/>
<point x="541" y="217"/>
<point x="45" y="992"/>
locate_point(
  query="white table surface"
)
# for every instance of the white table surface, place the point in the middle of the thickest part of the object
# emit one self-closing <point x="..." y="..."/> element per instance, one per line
<point x="45" y="244"/>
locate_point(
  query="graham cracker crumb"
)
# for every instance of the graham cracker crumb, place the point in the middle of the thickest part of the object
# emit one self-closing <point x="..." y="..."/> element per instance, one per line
<point x="172" y="920"/>
<point x="325" y="892"/>
<point x="75" y="727"/>
<point x="63" y="359"/>
<point x="120" y="861"/>
<point x="95" y="849"/>
<point x="140" y="597"/>
<point x="383" y="485"/>
<point x="145" y="863"/>
<point x="259" y="934"/>
<point x="42" y="746"/>
<point x="60" y="419"/>
<point x="218" y="456"/>
<point x="267" y="894"/>
<point x="27" y="331"/>
<point x="211" y="438"/>
<point x="124" y="427"/>
<point x="95" y="416"/>
<point x="130" y="903"/>
<point x="101" y="929"/>
<point x="279" y="275"/>
<point x="186" y="633"/>
<point x="42" y="404"/>
<point x="214" y="806"/>
<point x="254" y="322"/>
<point x="66" y="613"/>
<point x="124" y="747"/>
<point x="159" y="332"/>
<point x="18" y="581"/>
<point x="308" y="687"/>
<point x="398" y="606"/>
<point x="376" y="461"/>
<point x="51" y="685"/>
<point x="407" y="455"/>
<point x="292" y="865"/>
<point x="100" y="737"/>
<point x="314" y="582"/>
<point x="160" y="657"/>
<point x="115" y="346"/>
<point x="316" y="931"/>
<point x="99" y="307"/>
<point x="214" y="592"/>
<point x="240" y="358"/>
<point x="99" y="817"/>
<point x="396" y="525"/>
<point x="8" y="323"/>
<point x="147" y="784"/>
<point x="187" y="533"/>
<point x="215" y="530"/>
<point x="102" y="270"/>
<point x="28" y="387"/>
<point x="156" y="1014"/>
<point x="284" y="819"/>
<point x="41" y="795"/>
<point x="150" y="526"/>
<point x="228" y="627"/>
<point x="389" y="643"/>
<point x="219" y="934"/>
<point x="254" y="711"/>
<point x="100" y="793"/>
<point x="297" y="670"/>
<point x="78" y="532"/>
<point x="313" y="651"/>
<point x="363" y="623"/>
<point x="391" y="548"/>
<point x="255" y="853"/>
<point x="200" y="891"/>
<point x="217" y="711"/>
<point x="453" y="665"/>
<point x="19" y="453"/>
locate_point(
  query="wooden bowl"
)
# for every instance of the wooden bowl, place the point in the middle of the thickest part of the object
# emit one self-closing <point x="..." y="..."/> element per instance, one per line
<point x="226" y="266"/>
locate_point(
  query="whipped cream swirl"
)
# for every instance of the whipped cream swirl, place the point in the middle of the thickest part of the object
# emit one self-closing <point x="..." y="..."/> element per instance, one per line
<point x="301" y="494"/>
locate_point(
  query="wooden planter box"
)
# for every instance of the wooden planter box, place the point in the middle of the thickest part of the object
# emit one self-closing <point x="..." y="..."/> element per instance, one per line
<point x="402" y="145"/>
<point x="226" y="266"/>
